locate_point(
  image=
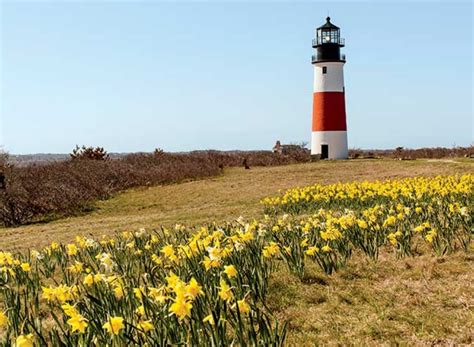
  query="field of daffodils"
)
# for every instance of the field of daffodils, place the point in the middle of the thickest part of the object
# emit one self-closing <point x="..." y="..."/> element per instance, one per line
<point x="208" y="284"/>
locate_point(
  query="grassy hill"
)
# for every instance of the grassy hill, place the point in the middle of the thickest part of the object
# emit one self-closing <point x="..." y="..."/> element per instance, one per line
<point x="236" y="193"/>
<point x="420" y="300"/>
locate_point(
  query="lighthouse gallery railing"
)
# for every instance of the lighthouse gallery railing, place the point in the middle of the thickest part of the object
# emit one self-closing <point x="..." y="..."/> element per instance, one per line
<point x="315" y="58"/>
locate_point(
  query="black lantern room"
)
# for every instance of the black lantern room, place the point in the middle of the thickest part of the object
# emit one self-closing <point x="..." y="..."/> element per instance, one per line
<point x="328" y="43"/>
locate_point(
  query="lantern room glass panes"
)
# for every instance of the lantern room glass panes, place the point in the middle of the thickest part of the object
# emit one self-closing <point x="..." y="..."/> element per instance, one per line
<point x="328" y="36"/>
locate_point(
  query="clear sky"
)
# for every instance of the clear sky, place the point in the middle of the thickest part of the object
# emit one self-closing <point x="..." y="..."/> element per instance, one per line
<point x="133" y="76"/>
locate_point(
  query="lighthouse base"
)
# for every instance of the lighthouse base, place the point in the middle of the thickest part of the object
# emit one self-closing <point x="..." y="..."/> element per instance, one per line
<point x="329" y="144"/>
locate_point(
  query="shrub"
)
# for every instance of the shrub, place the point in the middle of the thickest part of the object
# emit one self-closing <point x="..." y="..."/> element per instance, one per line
<point x="36" y="191"/>
<point x="418" y="153"/>
<point x="40" y="191"/>
<point x="91" y="153"/>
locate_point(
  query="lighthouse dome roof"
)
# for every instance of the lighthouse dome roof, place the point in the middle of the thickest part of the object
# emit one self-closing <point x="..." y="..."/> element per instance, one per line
<point x="328" y="24"/>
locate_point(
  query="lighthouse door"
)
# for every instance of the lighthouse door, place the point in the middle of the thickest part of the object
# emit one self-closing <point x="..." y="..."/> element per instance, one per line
<point x="324" y="151"/>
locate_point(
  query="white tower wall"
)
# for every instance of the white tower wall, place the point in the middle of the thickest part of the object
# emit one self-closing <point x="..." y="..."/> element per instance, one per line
<point x="332" y="80"/>
<point x="336" y="141"/>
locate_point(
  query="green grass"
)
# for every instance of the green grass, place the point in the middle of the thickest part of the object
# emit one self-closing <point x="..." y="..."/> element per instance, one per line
<point x="414" y="301"/>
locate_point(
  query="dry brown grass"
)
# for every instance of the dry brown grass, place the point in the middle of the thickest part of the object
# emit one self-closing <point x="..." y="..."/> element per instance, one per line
<point x="414" y="301"/>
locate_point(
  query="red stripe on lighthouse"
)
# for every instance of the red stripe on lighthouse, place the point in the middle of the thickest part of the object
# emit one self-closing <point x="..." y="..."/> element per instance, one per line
<point x="329" y="111"/>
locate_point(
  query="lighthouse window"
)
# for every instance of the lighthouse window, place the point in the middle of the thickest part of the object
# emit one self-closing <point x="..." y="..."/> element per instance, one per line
<point x="325" y="69"/>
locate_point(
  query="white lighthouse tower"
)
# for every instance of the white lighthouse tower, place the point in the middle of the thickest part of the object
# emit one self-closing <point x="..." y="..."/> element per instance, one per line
<point x="329" y="130"/>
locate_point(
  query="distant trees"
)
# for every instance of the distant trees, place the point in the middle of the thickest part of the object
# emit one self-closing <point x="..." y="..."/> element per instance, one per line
<point x="297" y="151"/>
<point x="410" y="154"/>
<point x="3" y="160"/>
<point x="89" y="153"/>
<point x="158" y="152"/>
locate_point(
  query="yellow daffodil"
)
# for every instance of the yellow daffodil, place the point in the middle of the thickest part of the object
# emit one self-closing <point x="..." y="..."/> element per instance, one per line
<point x="114" y="325"/>
<point x="326" y="249"/>
<point x="69" y="310"/>
<point x="26" y="267"/>
<point x="209" y="264"/>
<point x="71" y="249"/>
<point x="77" y="267"/>
<point x="225" y="292"/>
<point x="181" y="307"/>
<point x="138" y="292"/>
<point x="271" y="250"/>
<point x="118" y="292"/>
<point x="209" y="319"/>
<point x="88" y="280"/>
<point x="243" y="306"/>
<point x="3" y="319"/>
<point x="146" y="325"/>
<point x="157" y="294"/>
<point x="24" y="341"/>
<point x="140" y="310"/>
<point x="230" y="271"/>
<point x="193" y="289"/>
<point x="77" y="323"/>
<point x="312" y="250"/>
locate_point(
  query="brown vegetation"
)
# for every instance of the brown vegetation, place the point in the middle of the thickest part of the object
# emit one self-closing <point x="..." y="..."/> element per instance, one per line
<point x="40" y="192"/>
<point x="418" y="153"/>
<point x="91" y="153"/>
<point x="291" y="154"/>
<point x="37" y="191"/>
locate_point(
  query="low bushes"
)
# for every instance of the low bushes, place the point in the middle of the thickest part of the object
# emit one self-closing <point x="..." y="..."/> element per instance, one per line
<point x="417" y="153"/>
<point x="256" y="158"/>
<point x="38" y="192"/>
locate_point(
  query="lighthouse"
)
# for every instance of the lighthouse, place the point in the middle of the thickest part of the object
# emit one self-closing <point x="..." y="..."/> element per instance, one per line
<point x="329" y="130"/>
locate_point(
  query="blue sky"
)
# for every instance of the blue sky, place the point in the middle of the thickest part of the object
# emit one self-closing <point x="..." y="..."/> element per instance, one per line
<point x="133" y="76"/>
